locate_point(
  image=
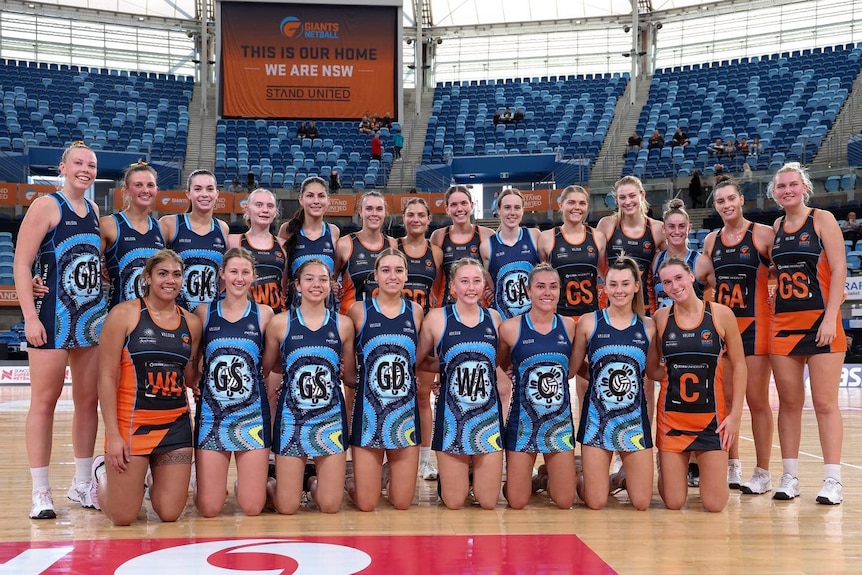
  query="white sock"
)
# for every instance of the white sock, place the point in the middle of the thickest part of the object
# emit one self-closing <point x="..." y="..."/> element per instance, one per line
<point x="832" y="470"/>
<point x="790" y="466"/>
<point x="761" y="471"/>
<point x="734" y="463"/>
<point x="39" y="475"/>
<point x="83" y="469"/>
<point x="424" y="454"/>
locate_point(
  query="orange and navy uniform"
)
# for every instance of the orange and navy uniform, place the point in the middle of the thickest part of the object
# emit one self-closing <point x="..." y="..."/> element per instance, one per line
<point x="152" y="408"/>
<point x="357" y="276"/>
<point x="578" y="266"/>
<point x="642" y="250"/>
<point x="691" y="399"/>
<point x="453" y="251"/>
<point x="741" y="283"/>
<point x="269" y="270"/>
<point x="421" y="275"/>
<point x="802" y="292"/>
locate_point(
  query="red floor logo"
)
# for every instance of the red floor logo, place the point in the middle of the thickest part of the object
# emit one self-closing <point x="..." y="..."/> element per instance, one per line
<point x="317" y="555"/>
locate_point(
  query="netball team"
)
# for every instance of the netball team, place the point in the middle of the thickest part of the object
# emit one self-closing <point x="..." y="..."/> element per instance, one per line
<point x="313" y="358"/>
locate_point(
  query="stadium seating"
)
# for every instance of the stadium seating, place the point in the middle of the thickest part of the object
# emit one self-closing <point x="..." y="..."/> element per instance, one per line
<point x="788" y="100"/>
<point x="112" y="110"/>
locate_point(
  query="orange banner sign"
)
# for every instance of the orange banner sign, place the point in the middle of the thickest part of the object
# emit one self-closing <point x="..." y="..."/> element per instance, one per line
<point x="8" y="194"/>
<point x="341" y="205"/>
<point x="172" y="202"/>
<point x="29" y="192"/>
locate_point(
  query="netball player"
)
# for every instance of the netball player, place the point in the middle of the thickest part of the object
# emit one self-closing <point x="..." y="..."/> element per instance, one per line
<point x="233" y="414"/>
<point x="808" y="253"/>
<point x="199" y="238"/>
<point x="59" y="238"/>
<point x="385" y="411"/>
<point x="537" y="346"/>
<point x="675" y="225"/>
<point x="735" y="263"/>
<point x="149" y="351"/>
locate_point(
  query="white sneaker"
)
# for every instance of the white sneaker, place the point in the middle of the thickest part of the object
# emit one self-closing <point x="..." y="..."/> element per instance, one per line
<point x="760" y="483"/>
<point x="734" y="474"/>
<point x="98" y="463"/>
<point x="831" y="492"/>
<point x="80" y="493"/>
<point x="43" y="505"/>
<point x="428" y="471"/>
<point x="788" y="488"/>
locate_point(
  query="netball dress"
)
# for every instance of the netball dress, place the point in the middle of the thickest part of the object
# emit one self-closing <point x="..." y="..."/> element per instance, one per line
<point x="67" y="262"/>
<point x="323" y="248"/>
<point x="152" y="409"/>
<point x="802" y="293"/>
<point x="269" y="269"/>
<point x="614" y="415"/>
<point x="468" y="417"/>
<point x="127" y="256"/>
<point x="741" y="283"/>
<point x="310" y="419"/>
<point x="642" y="250"/>
<point x="691" y="401"/>
<point x="386" y="408"/>
<point x="540" y="418"/>
<point x="509" y="267"/>
<point x="452" y="252"/>
<point x="357" y="277"/>
<point x="421" y="274"/>
<point x="578" y="266"/>
<point x="202" y="257"/>
<point x="233" y="410"/>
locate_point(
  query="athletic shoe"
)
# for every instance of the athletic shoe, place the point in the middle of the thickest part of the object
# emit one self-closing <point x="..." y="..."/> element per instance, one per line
<point x="617" y="481"/>
<point x="734" y="474"/>
<point x="98" y="462"/>
<point x="428" y="471"/>
<point x="693" y="475"/>
<point x="80" y="493"/>
<point x="540" y="479"/>
<point x="831" y="492"/>
<point x="384" y="477"/>
<point x="148" y="482"/>
<point x="760" y="483"/>
<point x="43" y="505"/>
<point x="788" y="488"/>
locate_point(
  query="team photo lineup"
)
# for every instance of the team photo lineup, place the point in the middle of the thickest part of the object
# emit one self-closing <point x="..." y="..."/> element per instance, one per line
<point x="341" y="368"/>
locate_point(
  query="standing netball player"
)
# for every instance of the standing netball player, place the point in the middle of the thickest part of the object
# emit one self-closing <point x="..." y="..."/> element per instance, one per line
<point x="149" y="354"/>
<point x="306" y="235"/>
<point x="59" y="241"/>
<point x="468" y="425"/>
<point x="424" y="286"/>
<point x="131" y="236"/>
<point x="267" y="250"/>
<point x="619" y="344"/>
<point x="675" y="225"/>
<point x="735" y="263"/>
<point x="199" y="238"/>
<point x="631" y="232"/>
<point x="537" y="346"/>
<point x="808" y="253"/>
<point x="306" y="344"/>
<point x="462" y="238"/>
<point x="233" y="414"/>
<point x="692" y="416"/>
<point x="356" y="253"/>
<point x="385" y="410"/>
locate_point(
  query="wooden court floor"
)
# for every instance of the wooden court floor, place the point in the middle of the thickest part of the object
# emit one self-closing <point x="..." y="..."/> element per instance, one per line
<point x="753" y="535"/>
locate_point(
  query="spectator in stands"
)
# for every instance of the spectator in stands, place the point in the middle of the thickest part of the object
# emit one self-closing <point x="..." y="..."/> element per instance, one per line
<point x="746" y="182"/>
<point x="656" y="141"/>
<point x="634" y="143"/>
<point x="518" y="117"/>
<point x="742" y="148"/>
<point x="302" y="131"/>
<point x="730" y="148"/>
<point x="851" y="227"/>
<point x="235" y="186"/>
<point x="497" y="118"/>
<point x="365" y="125"/>
<point x="716" y="148"/>
<point x="251" y="182"/>
<point x="756" y="148"/>
<point x="507" y="116"/>
<point x="386" y="120"/>
<point x="397" y="144"/>
<point x="695" y="190"/>
<point x="334" y="181"/>
<point x="312" y="131"/>
<point x="376" y="148"/>
<point x="680" y="138"/>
